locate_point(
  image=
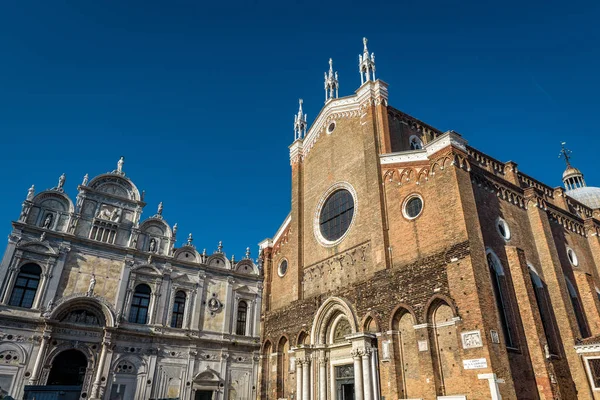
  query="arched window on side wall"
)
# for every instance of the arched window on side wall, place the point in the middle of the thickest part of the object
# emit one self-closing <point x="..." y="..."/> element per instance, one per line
<point x="178" y="310"/>
<point x="242" y="315"/>
<point x="138" y="314"/>
<point x="501" y="294"/>
<point x="542" y="298"/>
<point x="26" y="285"/>
<point x="581" y="322"/>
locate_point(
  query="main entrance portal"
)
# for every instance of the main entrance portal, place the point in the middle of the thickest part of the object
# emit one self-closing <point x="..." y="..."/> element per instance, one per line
<point x="344" y="382"/>
<point x="203" y="395"/>
<point x="68" y="369"/>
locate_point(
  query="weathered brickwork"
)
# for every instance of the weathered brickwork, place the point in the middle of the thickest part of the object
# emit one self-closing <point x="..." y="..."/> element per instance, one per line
<point x="457" y="276"/>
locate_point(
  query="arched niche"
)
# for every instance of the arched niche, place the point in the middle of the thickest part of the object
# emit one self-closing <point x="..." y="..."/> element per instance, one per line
<point x="155" y="236"/>
<point x="84" y="310"/>
<point x="330" y="311"/>
<point x="218" y="260"/>
<point x="187" y="253"/>
<point x="246" y="266"/>
<point x="115" y="185"/>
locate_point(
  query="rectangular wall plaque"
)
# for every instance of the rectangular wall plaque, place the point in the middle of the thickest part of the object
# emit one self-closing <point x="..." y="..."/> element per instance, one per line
<point x="476" y="363"/>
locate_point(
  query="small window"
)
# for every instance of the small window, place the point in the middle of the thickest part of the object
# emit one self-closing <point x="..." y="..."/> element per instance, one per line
<point x="26" y="286"/>
<point x="138" y="314"/>
<point x="283" y="266"/>
<point x="572" y="257"/>
<point x="178" y="310"/>
<point x="331" y="127"/>
<point x="594" y="368"/>
<point x="503" y="229"/>
<point x="413" y="207"/>
<point x="242" y="314"/>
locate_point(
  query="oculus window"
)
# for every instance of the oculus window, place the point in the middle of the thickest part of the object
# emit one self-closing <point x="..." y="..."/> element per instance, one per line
<point x="336" y="215"/>
<point x="503" y="229"/>
<point x="413" y="207"/>
<point x="283" y="266"/>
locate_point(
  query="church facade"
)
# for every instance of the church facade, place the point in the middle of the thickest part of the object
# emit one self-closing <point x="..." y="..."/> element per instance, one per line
<point x="99" y="304"/>
<point x="414" y="266"/>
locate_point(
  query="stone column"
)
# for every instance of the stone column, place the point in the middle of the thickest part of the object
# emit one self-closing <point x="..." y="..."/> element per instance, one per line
<point x="41" y="290"/>
<point x="358" y="376"/>
<point x="299" y="363"/>
<point x="322" y="378"/>
<point x="375" y="373"/>
<point x="100" y="367"/>
<point x="306" y="379"/>
<point x="10" y="282"/>
<point x="366" y="370"/>
<point x="39" y="361"/>
<point x="228" y="305"/>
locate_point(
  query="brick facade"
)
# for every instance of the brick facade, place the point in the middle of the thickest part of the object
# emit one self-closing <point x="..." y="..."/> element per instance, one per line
<point x="434" y="306"/>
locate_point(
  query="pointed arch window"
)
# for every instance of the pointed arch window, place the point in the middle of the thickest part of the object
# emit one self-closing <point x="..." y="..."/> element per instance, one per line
<point x="581" y="322"/>
<point x="140" y="304"/>
<point x="26" y="285"/>
<point x="242" y="316"/>
<point x="178" y="309"/>
<point x="542" y="298"/>
<point x="501" y="295"/>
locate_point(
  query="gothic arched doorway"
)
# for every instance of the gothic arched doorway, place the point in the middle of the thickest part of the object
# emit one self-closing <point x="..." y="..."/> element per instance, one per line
<point x="68" y="369"/>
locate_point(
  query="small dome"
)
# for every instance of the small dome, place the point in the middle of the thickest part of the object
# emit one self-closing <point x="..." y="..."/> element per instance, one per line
<point x="571" y="171"/>
<point x="588" y="195"/>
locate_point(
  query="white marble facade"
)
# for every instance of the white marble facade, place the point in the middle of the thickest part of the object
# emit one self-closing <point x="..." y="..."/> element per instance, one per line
<point x="146" y="320"/>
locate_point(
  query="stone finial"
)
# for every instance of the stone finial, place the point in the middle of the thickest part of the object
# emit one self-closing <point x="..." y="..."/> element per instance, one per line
<point x="143" y="195"/>
<point x="220" y="247"/>
<point x="31" y="193"/>
<point x="204" y="252"/>
<point x="85" y="180"/>
<point x="300" y="123"/>
<point x="190" y="239"/>
<point x="331" y="83"/>
<point x="175" y="229"/>
<point x="366" y="64"/>
<point x="233" y="258"/>
<point x="160" y="208"/>
<point x="247" y="253"/>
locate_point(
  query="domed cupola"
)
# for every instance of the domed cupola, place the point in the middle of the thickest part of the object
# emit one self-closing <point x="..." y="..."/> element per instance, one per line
<point x="575" y="184"/>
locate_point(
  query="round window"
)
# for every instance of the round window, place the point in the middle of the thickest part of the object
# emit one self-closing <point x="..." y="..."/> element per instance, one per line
<point x="572" y="257"/>
<point x="331" y="127"/>
<point x="413" y="207"/>
<point x="283" y="266"/>
<point x="503" y="229"/>
<point x="336" y="215"/>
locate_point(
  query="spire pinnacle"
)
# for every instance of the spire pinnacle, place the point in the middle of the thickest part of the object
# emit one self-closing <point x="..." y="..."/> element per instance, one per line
<point x="299" y="123"/>
<point x="565" y="153"/>
<point x="331" y="83"/>
<point x="366" y="64"/>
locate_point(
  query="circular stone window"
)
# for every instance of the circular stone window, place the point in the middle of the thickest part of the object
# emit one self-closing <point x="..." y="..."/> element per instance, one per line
<point x="413" y="206"/>
<point x="503" y="229"/>
<point x="335" y="214"/>
<point x="283" y="266"/>
<point x="572" y="257"/>
<point x="331" y="127"/>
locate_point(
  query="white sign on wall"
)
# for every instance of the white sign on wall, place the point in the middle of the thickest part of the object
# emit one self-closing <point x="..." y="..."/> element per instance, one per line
<point x="423" y="345"/>
<point x="476" y="363"/>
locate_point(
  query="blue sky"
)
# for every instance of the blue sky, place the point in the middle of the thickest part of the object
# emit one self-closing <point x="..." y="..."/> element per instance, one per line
<point x="200" y="97"/>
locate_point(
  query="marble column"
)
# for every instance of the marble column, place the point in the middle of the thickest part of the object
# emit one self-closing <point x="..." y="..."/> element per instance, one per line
<point x="100" y="367"/>
<point x="366" y="369"/>
<point x="306" y="379"/>
<point x="358" y="376"/>
<point x="39" y="361"/>
<point x="322" y="378"/>
<point x="299" y="366"/>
